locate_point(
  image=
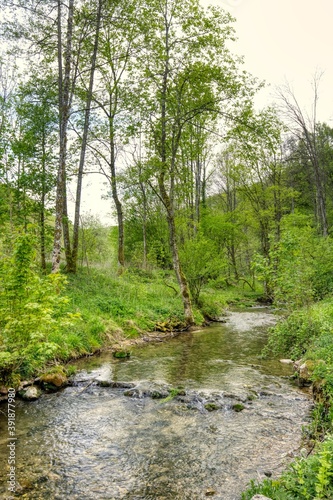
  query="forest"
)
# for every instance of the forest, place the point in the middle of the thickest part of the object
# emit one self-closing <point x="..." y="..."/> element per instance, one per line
<point x="214" y="201"/>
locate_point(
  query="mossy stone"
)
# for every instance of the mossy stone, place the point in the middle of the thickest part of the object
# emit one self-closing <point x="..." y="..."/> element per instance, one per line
<point x="212" y="406"/>
<point x="121" y="354"/>
<point x="238" y="407"/>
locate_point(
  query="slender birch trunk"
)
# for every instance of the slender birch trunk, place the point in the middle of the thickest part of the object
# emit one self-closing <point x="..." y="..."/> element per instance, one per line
<point x="72" y="265"/>
<point x="63" y="88"/>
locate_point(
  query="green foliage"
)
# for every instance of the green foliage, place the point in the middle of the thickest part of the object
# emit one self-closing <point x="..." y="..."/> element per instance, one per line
<point x="96" y="245"/>
<point x="299" y="267"/>
<point x="306" y="479"/>
<point x="303" y="263"/>
<point x="201" y="264"/>
<point x="33" y="312"/>
<point x="212" y="304"/>
<point x="303" y="330"/>
<point x="158" y="250"/>
<point x="132" y="302"/>
<point x="173" y="393"/>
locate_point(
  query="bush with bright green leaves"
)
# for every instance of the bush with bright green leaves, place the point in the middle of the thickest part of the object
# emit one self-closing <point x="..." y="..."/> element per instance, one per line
<point x="32" y="312"/>
<point x="302" y="331"/>
<point x="201" y="264"/>
<point x="308" y="478"/>
<point x="300" y="266"/>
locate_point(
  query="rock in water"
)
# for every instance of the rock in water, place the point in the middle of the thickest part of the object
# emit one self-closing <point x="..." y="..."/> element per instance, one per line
<point x="287" y="361"/>
<point x="260" y="497"/>
<point x="31" y="393"/>
<point x="55" y="379"/>
<point x="121" y="354"/>
<point x="305" y="372"/>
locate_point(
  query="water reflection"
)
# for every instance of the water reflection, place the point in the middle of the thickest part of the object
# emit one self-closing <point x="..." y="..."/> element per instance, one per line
<point x="207" y="358"/>
<point x="90" y="442"/>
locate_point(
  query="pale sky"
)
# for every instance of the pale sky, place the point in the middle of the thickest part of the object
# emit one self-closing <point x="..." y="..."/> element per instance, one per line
<point x="280" y="40"/>
<point x="286" y="40"/>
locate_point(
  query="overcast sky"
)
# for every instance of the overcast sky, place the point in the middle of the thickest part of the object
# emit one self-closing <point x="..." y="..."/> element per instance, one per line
<point x="286" y="40"/>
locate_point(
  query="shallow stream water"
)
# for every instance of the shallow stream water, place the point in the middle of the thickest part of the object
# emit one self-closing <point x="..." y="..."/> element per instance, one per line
<point x="90" y="442"/>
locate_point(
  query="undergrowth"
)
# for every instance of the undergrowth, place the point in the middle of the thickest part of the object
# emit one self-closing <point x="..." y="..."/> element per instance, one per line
<point x="308" y="478"/>
<point x="45" y="320"/>
<point x="50" y="319"/>
<point x="307" y="334"/>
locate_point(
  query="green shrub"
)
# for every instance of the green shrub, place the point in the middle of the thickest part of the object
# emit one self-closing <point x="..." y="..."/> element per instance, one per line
<point x="296" y="334"/>
<point x="32" y="311"/>
<point x="306" y="479"/>
<point x="201" y="263"/>
<point x="211" y="305"/>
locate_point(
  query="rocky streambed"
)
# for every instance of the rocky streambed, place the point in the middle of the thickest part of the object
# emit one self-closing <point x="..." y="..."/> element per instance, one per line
<point x="195" y="417"/>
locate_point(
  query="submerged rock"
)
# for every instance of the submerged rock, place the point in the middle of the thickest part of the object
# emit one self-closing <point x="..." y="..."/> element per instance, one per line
<point x="115" y="385"/>
<point x="260" y="497"/>
<point x="287" y="361"/>
<point x="211" y="407"/>
<point x="238" y="407"/>
<point x="210" y="492"/>
<point x="149" y="389"/>
<point x="121" y="354"/>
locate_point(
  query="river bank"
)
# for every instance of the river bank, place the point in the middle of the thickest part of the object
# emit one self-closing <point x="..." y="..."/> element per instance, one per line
<point x="225" y="415"/>
<point x="94" y="310"/>
<point x="96" y="332"/>
<point x="307" y="333"/>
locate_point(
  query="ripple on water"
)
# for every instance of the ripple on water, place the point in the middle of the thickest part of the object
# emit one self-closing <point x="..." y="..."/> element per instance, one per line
<point x="91" y="442"/>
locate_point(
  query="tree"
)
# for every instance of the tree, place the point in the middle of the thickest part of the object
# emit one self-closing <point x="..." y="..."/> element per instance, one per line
<point x="72" y="265"/>
<point x="259" y="170"/>
<point x="64" y="37"/>
<point x="39" y="29"/>
<point x="228" y="186"/>
<point x="305" y="129"/>
<point x="8" y="84"/>
<point x="117" y="48"/>
<point x="186" y="72"/>
<point x="36" y="111"/>
<point x="64" y="99"/>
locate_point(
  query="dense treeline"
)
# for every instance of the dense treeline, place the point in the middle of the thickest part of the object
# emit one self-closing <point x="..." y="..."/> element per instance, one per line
<point x="208" y="193"/>
<point x="150" y="96"/>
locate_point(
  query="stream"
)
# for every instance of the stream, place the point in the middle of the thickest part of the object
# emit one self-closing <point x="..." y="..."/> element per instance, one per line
<point x="234" y="417"/>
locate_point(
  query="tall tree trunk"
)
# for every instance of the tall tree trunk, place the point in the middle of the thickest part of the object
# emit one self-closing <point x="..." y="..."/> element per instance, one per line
<point x="183" y="285"/>
<point x="198" y="188"/>
<point x="311" y="147"/>
<point x="42" y="208"/>
<point x="144" y="224"/>
<point x="232" y="255"/>
<point x="73" y="261"/>
<point x="168" y="200"/>
<point x="114" y="190"/>
<point x="65" y="225"/>
<point x="63" y="88"/>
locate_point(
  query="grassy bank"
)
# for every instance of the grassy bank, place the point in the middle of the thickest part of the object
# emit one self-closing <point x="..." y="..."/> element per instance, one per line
<point x="47" y="320"/>
<point x="307" y="334"/>
<point x="138" y="300"/>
